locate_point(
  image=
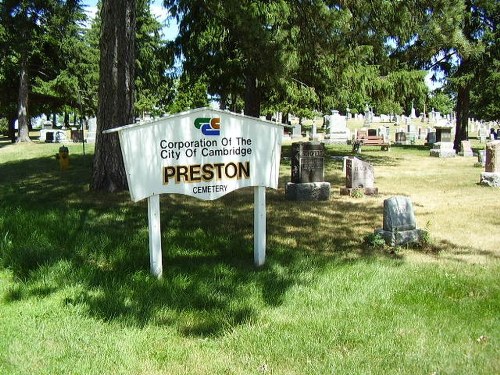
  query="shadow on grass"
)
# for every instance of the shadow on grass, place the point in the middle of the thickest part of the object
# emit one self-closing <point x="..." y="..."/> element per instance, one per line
<point x="56" y="236"/>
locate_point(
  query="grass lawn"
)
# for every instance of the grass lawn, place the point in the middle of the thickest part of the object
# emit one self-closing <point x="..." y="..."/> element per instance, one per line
<point x="76" y="296"/>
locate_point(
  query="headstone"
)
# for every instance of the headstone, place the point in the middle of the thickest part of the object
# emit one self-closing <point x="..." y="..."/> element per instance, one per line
<point x="308" y="162"/>
<point x="359" y="175"/>
<point x="400" y="138"/>
<point x="91" y="132"/>
<point x="481" y="157"/>
<point x="443" y="133"/>
<point x="443" y="150"/>
<point x="430" y="138"/>
<point x="493" y="156"/>
<point x="384" y="131"/>
<point x="399" y="224"/>
<point x="314" y="134"/>
<point x="482" y="133"/>
<point x="52" y="135"/>
<point x="307" y="173"/>
<point x="412" y="113"/>
<point x="367" y="117"/>
<point x="466" y="149"/>
<point x="491" y="174"/>
<point x="411" y="133"/>
<point x="297" y="131"/>
<point x="337" y="131"/>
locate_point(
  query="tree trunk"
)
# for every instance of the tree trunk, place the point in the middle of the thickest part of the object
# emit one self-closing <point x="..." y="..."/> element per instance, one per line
<point x="462" y="120"/>
<point x="252" y="97"/>
<point x="116" y="92"/>
<point x="22" y="113"/>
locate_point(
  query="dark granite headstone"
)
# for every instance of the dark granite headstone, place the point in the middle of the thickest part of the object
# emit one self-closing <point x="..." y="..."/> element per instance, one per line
<point x="431" y="138"/>
<point x="400" y="137"/>
<point x="308" y="162"/>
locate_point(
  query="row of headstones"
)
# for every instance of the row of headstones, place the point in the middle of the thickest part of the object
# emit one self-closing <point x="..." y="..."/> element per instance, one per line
<point x="307" y="174"/>
<point x="307" y="183"/>
<point x="49" y="135"/>
<point x="307" y="169"/>
<point x="399" y="224"/>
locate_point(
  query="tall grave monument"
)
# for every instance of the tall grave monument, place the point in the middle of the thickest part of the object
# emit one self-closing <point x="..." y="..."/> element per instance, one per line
<point x="307" y="183"/>
<point x="443" y="147"/>
<point x="491" y="174"/>
<point x="337" y="131"/>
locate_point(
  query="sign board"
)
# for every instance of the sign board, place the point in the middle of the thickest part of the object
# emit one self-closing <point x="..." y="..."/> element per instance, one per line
<point x="204" y="153"/>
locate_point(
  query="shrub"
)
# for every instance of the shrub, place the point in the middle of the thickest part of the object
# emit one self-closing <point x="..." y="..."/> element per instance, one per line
<point x="357" y="193"/>
<point x="374" y="241"/>
<point x="4" y="126"/>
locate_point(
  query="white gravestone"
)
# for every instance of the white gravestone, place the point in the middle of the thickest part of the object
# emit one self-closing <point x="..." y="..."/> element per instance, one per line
<point x="359" y="175"/>
<point x="337" y="131"/>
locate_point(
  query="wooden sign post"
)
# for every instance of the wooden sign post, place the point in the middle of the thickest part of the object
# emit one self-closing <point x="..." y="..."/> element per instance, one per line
<point x="204" y="153"/>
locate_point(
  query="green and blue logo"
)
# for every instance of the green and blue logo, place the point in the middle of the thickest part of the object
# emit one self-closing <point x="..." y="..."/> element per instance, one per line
<point x="207" y="125"/>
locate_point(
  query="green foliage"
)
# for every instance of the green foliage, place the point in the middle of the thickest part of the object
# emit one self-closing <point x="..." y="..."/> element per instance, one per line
<point x="358" y="193"/>
<point x="46" y="39"/>
<point x="188" y="94"/>
<point x="441" y="102"/>
<point x="153" y="60"/>
<point x="4" y="126"/>
<point x="374" y="241"/>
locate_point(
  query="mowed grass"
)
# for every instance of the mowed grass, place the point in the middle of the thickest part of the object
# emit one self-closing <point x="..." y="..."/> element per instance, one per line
<point x="76" y="296"/>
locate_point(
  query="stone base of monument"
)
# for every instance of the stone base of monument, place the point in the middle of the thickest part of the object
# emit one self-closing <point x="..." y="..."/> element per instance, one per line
<point x="336" y="138"/>
<point x="307" y="191"/>
<point x="401" y="237"/>
<point x="366" y="191"/>
<point x="466" y="153"/>
<point x="314" y="137"/>
<point x="490" y="179"/>
<point x="443" y="150"/>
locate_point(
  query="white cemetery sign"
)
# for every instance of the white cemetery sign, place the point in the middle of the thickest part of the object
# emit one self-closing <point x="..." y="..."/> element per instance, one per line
<point x="204" y="153"/>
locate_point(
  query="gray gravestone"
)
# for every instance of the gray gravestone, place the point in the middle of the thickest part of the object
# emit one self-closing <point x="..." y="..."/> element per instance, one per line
<point x="337" y="131"/>
<point x="398" y="214"/>
<point x="443" y="150"/>
<point x="297" y="131"/>
<point x="400" y="138"/>
<point x="431" y="138"/>
<point x="443" y="133"/>
<point x="492" y="157"/>
<point x="399" y="225"/>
